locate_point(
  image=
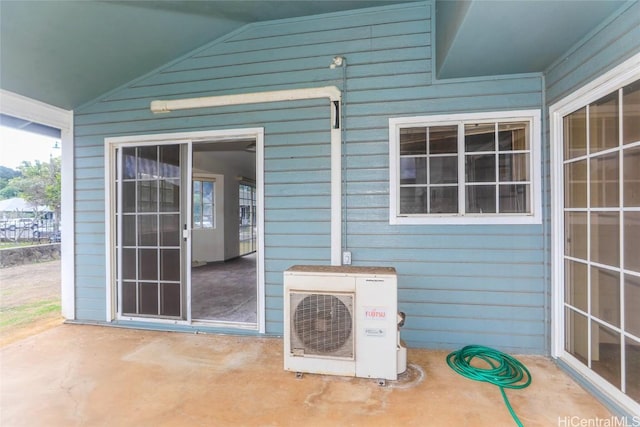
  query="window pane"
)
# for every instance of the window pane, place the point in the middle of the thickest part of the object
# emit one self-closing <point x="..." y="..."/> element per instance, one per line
<point x="169" y="161"/>
<point x="170" y="195"/>
<point x="575" y="224"/>
<point x="413" y="170"/>
<point x="575" y="335"/>
<point x="631" y="112"/>
<point x="207" y="213"/>
<point x="129" y="163"/>
<point x="208" y="221"/>
<point x="170" y="230"/>
<point x="207" y="192"/>
<point x="147" y="196"/>
<point x="605" y="185"/>
<point x="129" y="196"/>
<point x="513" y="136"/>
<point x="170" y="264"/>
<point x="443" y="140"/>
<point x="575" y="134"/>
<point x="147" y="163"/>
<point x="514" y="198"/>
<point x="413" y="141"/>
<point x="148" y="264"/>
<point x="575" y="285"/>
<point x="605" y="353"/>
<point x="631" y="158"/>
<point x="129" y="264"/>
<point x="413" y="200"/>
<point x="514" y="167"/>
<point x="443" y="170"/>
<point x="147" y="230"/>
<point x="603" y="123"/>
<point x="129" y="298"/>
<point x="631" y="304"/>
<point x="605" y="295"/>
<point x="480" y="137"/>
<point x="444" y="199"/>
<point x="632" y="353"/>
<point x="170" y="299"/>
<point x="605" y="238"/>
<point x="149" y="298"/>
<point x="481" y="168"/>
<point x="575" y="184"/>
<point x="481" y="199"/>
<point x="632" y="241"/>
<point x="129" y="230"/>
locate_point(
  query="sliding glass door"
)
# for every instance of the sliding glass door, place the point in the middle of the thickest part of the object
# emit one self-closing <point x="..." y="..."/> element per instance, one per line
<point x="602" y="237"/>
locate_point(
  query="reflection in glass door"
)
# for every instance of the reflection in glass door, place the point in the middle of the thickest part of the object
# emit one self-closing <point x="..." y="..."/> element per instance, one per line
<point x="247" y="220"/>
<point x="602" y="237"/>
<point x="149" y="242"/>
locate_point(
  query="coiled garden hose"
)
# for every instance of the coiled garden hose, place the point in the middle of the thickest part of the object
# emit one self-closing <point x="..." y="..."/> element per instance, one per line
<point x="505" y="371"/>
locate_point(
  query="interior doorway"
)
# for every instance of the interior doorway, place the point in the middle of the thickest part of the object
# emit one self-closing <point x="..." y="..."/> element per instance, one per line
<point x="224" y="228"/>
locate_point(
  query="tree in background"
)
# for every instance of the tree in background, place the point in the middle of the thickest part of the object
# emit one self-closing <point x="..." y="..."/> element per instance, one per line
<point x="39" y="183"/>
<point x="7" y="191"/>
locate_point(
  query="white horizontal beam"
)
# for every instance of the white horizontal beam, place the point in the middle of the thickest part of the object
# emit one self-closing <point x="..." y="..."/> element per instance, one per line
<point x="165" y="106"/>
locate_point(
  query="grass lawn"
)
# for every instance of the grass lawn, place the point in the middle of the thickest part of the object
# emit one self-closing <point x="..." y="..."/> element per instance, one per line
<point x="26" y="313"/>
<point x="29" y="300"/>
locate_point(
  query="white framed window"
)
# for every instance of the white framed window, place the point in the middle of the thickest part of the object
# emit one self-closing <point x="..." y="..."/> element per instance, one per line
<point x="477" y="168"/>
<point x="204" y="197"/>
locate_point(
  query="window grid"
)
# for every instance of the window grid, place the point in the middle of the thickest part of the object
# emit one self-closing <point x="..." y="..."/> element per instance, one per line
<point x="464" y="156"/>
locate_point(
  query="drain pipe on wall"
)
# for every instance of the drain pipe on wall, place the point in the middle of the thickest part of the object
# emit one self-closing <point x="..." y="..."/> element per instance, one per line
<point x="341" y="62"/>
<point x="331" y="92"/>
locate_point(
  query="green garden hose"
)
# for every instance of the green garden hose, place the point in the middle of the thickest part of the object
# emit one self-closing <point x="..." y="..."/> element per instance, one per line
<point x="504" y="371"/>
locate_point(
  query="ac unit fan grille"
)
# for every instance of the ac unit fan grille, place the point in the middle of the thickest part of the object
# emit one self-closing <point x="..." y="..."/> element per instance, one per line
<point x="322" y="324"/>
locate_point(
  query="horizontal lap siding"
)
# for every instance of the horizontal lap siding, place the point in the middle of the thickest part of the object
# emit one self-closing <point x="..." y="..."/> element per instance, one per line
<point x="457" y="284"/>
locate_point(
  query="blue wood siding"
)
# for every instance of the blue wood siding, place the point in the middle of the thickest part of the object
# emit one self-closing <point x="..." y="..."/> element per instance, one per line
<point x="457" y="284"/>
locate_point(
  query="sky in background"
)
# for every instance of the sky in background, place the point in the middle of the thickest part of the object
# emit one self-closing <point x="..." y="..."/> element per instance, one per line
<point x="17" y="145"/>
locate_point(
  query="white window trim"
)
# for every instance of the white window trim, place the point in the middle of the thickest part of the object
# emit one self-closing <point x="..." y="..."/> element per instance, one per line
<point x="623" y="74"/>
<point x="535" y="217"/>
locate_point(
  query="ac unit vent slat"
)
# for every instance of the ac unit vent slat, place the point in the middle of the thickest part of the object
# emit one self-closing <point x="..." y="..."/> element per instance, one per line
<point x="322" y="324"/>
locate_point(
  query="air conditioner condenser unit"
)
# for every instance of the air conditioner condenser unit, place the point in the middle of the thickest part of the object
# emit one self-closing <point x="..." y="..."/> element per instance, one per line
<point x="342" y="320"/>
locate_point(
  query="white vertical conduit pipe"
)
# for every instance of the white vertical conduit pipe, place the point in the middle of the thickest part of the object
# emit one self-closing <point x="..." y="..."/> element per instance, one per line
<point x="331" y="92"/>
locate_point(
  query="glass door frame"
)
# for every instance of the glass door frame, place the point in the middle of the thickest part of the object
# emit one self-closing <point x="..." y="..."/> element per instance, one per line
<point x="189" y="138"/>
<point x="114" y="222"/>
<point x="620" y="76"/>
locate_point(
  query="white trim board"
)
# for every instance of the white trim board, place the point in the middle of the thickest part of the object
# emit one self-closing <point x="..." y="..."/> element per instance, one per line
<point x="35" y="111"/>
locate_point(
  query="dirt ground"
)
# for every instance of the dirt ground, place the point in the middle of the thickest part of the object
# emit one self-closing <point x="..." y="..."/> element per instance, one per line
<point x="29" y="300"/>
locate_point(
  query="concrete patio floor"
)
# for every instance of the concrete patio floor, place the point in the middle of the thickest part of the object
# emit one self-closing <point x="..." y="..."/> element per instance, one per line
<point x="78" y="375"/>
